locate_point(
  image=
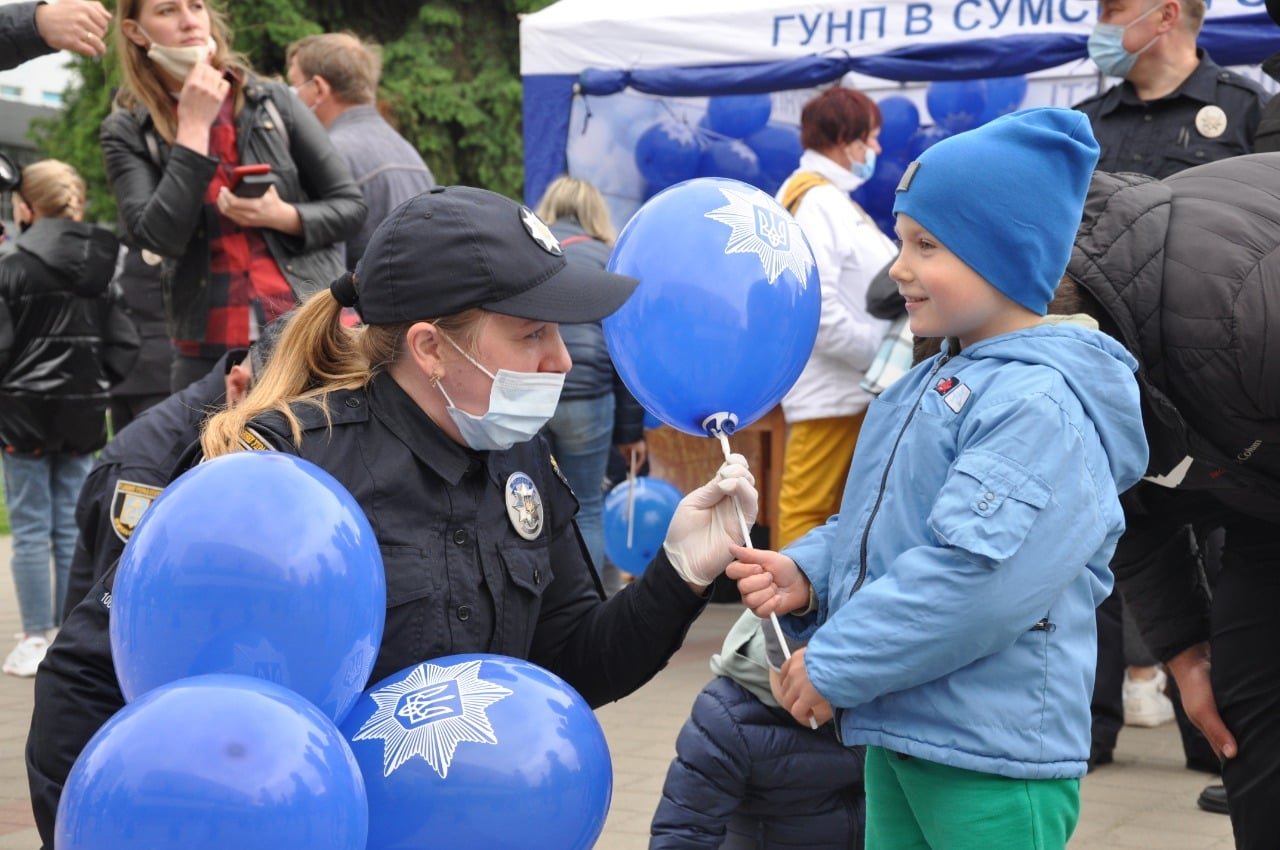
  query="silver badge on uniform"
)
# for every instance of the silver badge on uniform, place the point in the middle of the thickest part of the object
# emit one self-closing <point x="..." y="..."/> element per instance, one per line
<point x="1211" y="121"/>
<point x="128" y="503"/>
<point x="524" y="505"/>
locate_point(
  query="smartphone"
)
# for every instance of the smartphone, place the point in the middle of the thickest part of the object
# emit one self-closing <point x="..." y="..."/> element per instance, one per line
<point x="251" y="181"/>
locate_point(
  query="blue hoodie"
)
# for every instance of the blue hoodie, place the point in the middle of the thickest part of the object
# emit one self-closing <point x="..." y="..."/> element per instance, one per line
<point x="956" y="588"/>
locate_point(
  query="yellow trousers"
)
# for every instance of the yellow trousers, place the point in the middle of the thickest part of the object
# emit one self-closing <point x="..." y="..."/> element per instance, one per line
<point x="814" y="471"/>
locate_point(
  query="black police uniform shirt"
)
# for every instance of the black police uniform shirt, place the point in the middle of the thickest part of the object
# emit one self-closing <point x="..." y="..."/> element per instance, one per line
<point x="460" y="576"/>
<point x="1213" y="115"/>
<point x="129" y="475"/>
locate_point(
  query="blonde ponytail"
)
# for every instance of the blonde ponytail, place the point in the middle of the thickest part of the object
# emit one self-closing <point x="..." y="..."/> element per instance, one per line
<point x="53" y="189"/>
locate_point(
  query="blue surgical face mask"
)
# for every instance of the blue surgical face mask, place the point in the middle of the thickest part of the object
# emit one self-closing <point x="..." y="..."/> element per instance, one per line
<point x="864" y="170"/>
<point x="1106" y="47"/>
<point x="520" y="403"/>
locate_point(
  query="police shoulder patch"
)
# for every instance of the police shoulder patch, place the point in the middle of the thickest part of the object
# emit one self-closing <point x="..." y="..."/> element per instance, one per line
<point x="251" y="440"/>
<point x="128" y="503"/>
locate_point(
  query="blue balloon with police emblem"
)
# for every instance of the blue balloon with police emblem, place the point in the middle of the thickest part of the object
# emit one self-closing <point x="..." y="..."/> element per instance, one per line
<point x="957" y="105"/>
<point x="726" y="312"/>
<point x="480" y="751"/>
<point x="256" y="563"/>
<point x="668" y="152"/>
<point x="738" y="115"/>
<point x="211" y="763"/>
<point x="636" y="516"/>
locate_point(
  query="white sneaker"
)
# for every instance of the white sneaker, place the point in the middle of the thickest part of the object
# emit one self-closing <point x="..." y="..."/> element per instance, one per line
<point x="1144" y="701"/>
<point x="26" y="656"/>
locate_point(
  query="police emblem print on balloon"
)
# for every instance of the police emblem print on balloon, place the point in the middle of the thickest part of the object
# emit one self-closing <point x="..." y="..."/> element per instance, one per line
<point x="430" y="713"/>
<point x="767" y="233"/>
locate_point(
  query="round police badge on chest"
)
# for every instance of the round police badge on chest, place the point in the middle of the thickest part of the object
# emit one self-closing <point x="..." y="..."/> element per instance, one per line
<point x="524" y="505"/>
<point x="1211" y="121"/>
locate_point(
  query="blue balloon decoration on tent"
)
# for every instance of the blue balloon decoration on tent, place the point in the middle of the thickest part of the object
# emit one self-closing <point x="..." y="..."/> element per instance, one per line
<point x="778" y="150"/>
<point x="729" y="158"/>
<point x="957" y="105"/>
<point x="215" y="762"/>
<point x="876" y="195"/>
<point x="923" y="139"/>
<point x="726" y="312"/>
<point x="668" y="152"/>
<point x="256" y="563"/>
<point x="738" y="115"/>
<point x="1004" y="95"/>
<point x="480" y="751"/>
<point x="647" y="514"/>
<point x="899" y="119"/>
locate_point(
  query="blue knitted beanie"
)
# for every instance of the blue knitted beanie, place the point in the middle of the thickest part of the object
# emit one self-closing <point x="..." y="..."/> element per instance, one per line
<point x="1007" y="198"/>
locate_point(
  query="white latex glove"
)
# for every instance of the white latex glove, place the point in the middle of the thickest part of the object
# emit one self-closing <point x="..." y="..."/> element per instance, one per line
<point x="705" y="523"/>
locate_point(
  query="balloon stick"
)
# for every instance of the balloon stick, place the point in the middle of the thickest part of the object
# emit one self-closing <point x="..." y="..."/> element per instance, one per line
<point x="746" y="537"/>
<point x="631" y="501"/>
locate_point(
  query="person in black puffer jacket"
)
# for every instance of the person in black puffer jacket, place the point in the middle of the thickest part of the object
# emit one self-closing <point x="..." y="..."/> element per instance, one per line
<point x="64" y="339"/>
<point x="746" y="776"/>
<point x="596" y="411"/>
<point x="1186" y="273"/>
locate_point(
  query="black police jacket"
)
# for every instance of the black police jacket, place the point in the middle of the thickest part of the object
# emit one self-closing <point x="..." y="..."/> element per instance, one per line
<point x="65" y="338"/>
<point x="131" y="472"/>
<point x="1213" y="115"/>
<point x="460" y="577"/>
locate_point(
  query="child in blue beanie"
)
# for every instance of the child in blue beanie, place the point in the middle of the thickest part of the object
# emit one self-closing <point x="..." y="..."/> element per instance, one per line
<point x="949" y="607"/>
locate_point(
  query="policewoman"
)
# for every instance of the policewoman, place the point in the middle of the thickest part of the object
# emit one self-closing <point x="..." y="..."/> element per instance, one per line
<point x="428" y="415"/>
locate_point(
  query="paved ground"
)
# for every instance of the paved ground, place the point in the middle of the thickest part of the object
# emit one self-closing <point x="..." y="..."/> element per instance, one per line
<point x="1144" y="800"/>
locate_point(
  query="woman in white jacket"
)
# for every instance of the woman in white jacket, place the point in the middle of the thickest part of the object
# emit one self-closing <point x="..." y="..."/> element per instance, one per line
<point x="839" y="130"/>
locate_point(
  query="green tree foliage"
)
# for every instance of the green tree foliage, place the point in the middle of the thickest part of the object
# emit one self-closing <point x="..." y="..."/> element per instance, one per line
<point x="450" y="82"/>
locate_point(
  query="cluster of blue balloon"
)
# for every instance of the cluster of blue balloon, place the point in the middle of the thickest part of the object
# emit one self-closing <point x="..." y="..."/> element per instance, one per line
<point x="636" y="516"/>
<point x="955" y="106"/>
<point x="247" y="613"/>
<point x="734" y="139"/>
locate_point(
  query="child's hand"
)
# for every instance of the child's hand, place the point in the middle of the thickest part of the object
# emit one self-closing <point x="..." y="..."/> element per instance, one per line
<point x="799" y="696"/>
<point x="768" y="582"/>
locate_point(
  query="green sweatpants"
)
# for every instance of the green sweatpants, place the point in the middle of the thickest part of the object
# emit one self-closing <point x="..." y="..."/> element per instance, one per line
<point x="913" y="804"/>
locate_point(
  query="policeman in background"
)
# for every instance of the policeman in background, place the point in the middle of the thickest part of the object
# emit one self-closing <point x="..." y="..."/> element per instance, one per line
<point x="428" y="414"/>
<point x="1174" y="108"/>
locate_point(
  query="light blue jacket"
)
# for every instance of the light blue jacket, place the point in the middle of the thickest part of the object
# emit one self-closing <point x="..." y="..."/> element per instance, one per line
<point x="982" y="505"/>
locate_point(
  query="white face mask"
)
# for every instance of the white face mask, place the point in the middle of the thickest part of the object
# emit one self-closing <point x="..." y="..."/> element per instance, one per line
<point x="177" y="62"/>
<point x="520" y="403"/>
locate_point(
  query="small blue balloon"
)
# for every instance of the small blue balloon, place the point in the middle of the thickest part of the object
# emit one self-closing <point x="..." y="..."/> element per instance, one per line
<point x="726" y="312"/>
<point x="668" y="152"/>
<point x="957" y="105"/>
<point x="729" y="158"/>
<point x="738" y="115"/>
<point x="778" y="150"/>
<point x="648" y="514"/>
<point x="923" y="139"/>
<point x="899" y="119"/>
<point x="1004" y="95"/>
<point x="215" y="762"/>
<point x="254" y="563"/>
<point x="480" y="751"/>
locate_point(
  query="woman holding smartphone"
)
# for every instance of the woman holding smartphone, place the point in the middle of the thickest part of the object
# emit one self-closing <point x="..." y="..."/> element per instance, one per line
<point x="191" y="118"/>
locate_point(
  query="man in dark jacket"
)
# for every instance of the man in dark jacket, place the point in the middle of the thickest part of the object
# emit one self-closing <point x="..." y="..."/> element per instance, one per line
<point x="28" y="30"/>
<point x="1187" y="272"/>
